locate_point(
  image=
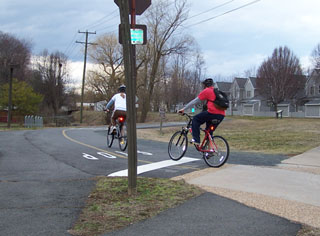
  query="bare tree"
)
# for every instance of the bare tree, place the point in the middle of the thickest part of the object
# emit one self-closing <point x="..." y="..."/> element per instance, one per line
<point x="13" y="51"/>
<point x="251" y="72"/>
<point x="107" y="54"/>
<point x="163" y="20"/>
<point x="315" y="55"/>
<point x="280" y="76"/>
<point x="52" y="68"/>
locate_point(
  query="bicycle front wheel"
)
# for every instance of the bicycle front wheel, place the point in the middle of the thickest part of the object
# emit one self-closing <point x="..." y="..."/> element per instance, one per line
<point x="123" y="138"/>
<point x="219" y="154"/>
<point x="178" y="145"/>
<point x="110" y="137"/>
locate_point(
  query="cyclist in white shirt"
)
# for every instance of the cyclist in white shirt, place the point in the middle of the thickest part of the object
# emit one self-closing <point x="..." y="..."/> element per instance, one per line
<point x="120" y="105"/>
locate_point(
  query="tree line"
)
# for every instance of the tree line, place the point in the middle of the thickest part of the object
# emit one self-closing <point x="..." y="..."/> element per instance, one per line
<point x="170" y="68"/>
<point x="39" y="81"/>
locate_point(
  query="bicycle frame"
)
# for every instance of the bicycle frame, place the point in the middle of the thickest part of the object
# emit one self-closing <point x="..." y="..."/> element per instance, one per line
<point x="207" y="135"/>
<point x="202" y="145"/>
<point x="214" y="148"/>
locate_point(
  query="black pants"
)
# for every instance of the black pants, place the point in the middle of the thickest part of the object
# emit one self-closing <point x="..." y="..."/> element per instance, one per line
<point x="201" y="118"/>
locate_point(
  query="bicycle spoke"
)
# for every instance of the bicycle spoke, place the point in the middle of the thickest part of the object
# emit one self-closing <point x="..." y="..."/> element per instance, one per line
<point x="219" y="155"/>
<point x="178" y="145"/>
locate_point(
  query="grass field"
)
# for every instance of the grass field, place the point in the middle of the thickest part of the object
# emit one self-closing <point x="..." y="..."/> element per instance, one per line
<point x="284" y="136"/>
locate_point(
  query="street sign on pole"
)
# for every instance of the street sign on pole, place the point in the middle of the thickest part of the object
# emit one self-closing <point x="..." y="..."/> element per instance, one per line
<point x="141" y="6"/>
<point x="138" y="35"/>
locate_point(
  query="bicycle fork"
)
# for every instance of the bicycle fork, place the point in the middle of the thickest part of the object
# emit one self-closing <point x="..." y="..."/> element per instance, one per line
<point x="179" y="141"/>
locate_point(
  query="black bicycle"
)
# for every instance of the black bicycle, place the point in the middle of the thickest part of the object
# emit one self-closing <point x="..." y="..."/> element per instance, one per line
<point x="214" y="149"/>
<point x="120" y="133"/>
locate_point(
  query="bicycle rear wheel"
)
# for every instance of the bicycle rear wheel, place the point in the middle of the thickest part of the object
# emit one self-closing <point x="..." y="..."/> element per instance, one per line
<point x="123" y="138"/>
<point x="110" y="137"/>
<point x="220" y="154"/>
<point x="178" y="145"/>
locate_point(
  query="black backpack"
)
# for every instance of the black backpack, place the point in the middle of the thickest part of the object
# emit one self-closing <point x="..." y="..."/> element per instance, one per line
<point x="221" y="102"/>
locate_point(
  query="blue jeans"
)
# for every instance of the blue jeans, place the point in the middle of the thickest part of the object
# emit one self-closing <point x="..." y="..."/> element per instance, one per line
<point x="201" y="118"/>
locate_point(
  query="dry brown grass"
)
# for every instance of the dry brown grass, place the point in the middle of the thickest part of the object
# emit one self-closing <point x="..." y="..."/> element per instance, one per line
<point x="284" y="136"/>
<point x="109" y="206"/>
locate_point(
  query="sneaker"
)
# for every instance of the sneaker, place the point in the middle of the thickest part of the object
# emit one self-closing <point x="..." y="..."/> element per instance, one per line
<point x="194" y="142"/>
<point x="113" y="129"/>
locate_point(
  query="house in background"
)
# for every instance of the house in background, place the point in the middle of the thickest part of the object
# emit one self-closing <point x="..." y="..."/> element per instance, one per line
<point x="237" y="93"/>
<point x="224" y="87"/>
<point x="247" y="100"/>
<point x="312" y="90"/>
<point x="253" y="101"/>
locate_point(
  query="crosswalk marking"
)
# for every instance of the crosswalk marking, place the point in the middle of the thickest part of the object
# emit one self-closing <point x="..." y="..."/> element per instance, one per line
<point x="154" y="166"/>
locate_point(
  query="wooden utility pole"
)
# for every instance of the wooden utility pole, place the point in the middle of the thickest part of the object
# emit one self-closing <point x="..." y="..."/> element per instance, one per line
<point x="84" y="68"/>
<point x="12" y="66"/>
<point x="129" y="65"/>
<point x="10" y="98"/>
<point x="137" y="7"/>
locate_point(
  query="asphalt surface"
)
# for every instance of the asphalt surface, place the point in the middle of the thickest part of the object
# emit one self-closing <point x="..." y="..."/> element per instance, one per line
<point x="39" y="194"/>
<point x="210" y="214"/>
<point x="45" y="181"/>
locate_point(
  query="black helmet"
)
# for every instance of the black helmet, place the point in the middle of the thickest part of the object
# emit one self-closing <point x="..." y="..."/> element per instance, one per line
<point x="208" y="82"/>
<point x="122" y="88"/>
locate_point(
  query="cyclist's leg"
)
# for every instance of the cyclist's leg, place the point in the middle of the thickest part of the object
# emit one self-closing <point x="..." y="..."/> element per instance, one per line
<point x="213" y="117"/>
<point x="116" y="114"/>
<point x="197" y="121"/>
<point x="113" y="118"/>
<point x="209" y="118"/>
<point x="124" y="115"/>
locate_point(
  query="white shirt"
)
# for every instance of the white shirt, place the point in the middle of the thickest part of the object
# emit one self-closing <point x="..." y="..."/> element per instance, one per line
<point x="119" y="102"/>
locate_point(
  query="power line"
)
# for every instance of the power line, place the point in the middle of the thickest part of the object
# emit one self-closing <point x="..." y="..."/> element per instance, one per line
<point x="235" y="9"/>
<point x="211" y="9"/>
<point x="107" y="27"/>
<point x="107" y="19"/>
<point x="100" y="21"/>
<point x="70" y="44"/>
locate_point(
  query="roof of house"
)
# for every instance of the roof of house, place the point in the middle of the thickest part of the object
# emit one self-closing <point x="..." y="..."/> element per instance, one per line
<point x="224" y="86"/>
<point x="241" y="82"/>
<point x="253" y="81"/>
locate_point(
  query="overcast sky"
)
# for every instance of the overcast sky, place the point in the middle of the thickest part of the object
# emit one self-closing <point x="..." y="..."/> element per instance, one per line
<point x="231" y="42"/>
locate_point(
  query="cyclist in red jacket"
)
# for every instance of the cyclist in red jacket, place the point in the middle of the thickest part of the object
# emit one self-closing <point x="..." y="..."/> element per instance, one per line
<point x="212" y="112"/>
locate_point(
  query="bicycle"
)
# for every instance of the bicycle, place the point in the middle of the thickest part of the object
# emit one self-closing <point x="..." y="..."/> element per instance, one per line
<point x="214" y="148"/>
<point x="119" y="133"/>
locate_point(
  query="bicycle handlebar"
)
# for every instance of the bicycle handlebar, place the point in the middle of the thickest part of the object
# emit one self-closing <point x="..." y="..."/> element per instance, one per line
<point x="186" y="114"/>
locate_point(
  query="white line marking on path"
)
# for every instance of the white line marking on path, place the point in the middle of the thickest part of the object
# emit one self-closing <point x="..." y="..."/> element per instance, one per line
<point x="145" y="153"/>
<point x="154" y="166"/>
<point x="107" y="155"/>
<point x="122" y="153"/>
<point x="89" y="157"/>
<point x="141" y="152"/>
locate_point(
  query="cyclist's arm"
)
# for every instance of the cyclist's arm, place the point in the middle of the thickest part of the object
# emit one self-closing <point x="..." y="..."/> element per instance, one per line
<point x="110" y="103"/>
<point x="192" y="103"/>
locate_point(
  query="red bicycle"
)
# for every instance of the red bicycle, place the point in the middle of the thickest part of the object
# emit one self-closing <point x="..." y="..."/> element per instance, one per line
<point x="214" y="149"/>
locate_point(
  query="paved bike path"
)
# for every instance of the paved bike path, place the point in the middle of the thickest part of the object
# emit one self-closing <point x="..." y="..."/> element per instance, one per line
<point x="293" y="184"/>
<point x="210" y="214"/>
